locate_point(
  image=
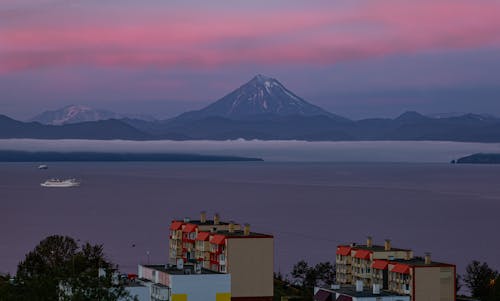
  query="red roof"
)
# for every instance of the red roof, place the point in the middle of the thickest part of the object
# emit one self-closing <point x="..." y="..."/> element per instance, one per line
<point x="203" y="236"/>
<point x="362" y="254"/>
<point x="401" y="268"/>
<point x="344" y="298"/>
<point x="176" y="225"/>
<point x="323" y="295"/>
<point x="380" y="264"/>
<point x="343" y="250"/>
<point x="218" y="239"/>
<point x="189" y="228"/>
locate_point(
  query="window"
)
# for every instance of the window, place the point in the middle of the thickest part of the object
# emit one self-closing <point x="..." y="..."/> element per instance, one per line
<point x="223" y="268"/>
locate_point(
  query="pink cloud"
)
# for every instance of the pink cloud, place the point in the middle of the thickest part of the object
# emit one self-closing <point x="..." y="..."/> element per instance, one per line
<point x="193" y="39"/>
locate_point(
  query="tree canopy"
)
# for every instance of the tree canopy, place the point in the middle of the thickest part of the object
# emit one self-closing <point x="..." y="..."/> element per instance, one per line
<point x="59" y="269"/>
<point x="481" y="280"/>
<point x="322" y="273"/>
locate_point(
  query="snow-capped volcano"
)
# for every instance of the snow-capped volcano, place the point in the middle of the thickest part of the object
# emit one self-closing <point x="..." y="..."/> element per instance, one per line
<point x="262" y="95"/>
<point x="74" y="114"/>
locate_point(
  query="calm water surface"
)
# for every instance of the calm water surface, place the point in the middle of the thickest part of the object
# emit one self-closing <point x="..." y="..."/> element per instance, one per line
<point x="450" y="210"/>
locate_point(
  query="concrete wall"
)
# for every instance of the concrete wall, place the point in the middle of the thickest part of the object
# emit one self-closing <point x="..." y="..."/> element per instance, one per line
<point x="208" y="228"/>
<point x="201" y="287"/>
<point x="434" y="284"/>
<point x="250" y="261"/>
<point x="395" y="254"/>
<point x="141" y="292"/>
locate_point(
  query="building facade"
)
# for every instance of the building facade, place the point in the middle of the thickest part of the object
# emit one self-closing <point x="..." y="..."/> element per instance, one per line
<point x="183" y="234"/>
<point x="354" y="262"/>
<point x="395" y="270"/>
<point x="229" y="248"/>
<point x="185" y="283"/>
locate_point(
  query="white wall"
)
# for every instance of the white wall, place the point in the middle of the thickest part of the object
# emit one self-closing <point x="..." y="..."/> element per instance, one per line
<point x="142" y="292"/>
<point x="200" y="287"/>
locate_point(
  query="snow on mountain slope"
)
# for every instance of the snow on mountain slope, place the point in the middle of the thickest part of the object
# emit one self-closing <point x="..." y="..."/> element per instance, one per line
<point x="74" y="114"/>
<point x="262" y="95"/>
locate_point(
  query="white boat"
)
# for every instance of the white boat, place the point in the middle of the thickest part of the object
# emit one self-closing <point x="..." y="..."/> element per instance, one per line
<point x="60" y="183"/>
<point x="43" y="166"/>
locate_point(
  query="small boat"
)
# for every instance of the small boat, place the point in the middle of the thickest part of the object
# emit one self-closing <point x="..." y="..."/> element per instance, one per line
<point x="60" y="183"/>
<point x="43" y="166"/>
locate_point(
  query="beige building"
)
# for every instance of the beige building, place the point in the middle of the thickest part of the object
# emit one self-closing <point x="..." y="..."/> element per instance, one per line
<point x="225" y="247"/>
<point x="395" y="270"/>
<point x="354" y="262"/>
<point x="183" y="235"/>
<point x="423" y="279"/>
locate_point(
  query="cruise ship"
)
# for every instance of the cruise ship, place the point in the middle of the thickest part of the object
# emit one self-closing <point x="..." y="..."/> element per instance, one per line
<point x="60" y="183"/>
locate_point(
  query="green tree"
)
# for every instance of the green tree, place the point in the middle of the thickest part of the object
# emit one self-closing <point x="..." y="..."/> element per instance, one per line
<point x="6" y="288"/>
<point x="458" y="283"/>
<point x="304" y="275"/>
<point x="494" y="294"/>
<point x="43" y="268"/>
<point x="58" y="269"/>
<point x="479" y="278"/>
<point x="325" y="273"/>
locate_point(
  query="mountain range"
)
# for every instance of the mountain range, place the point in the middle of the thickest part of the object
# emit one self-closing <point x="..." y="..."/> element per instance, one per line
<point x="263" y="108"/>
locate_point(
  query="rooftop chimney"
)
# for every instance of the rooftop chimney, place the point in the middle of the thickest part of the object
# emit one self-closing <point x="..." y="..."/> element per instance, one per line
<point x="369" y="241"/>
<point x="387" y="245"/>
<point x="246" y="230"/>
<point x="203" y="217"/>
<point x="216" y="219"/>
<point x="231" y="227"/>
<point x="428" y="258"/>
<point x="359" y="285"/>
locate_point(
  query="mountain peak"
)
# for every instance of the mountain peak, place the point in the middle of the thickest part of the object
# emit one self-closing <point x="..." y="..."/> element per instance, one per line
<point x="262" y="95"/>
<point x="73" y="114"/>
<point x="411" y="116"/>
<point x="262" y="78"/>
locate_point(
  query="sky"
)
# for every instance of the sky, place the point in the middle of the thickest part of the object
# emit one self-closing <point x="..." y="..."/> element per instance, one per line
<point x="355" y="58"/>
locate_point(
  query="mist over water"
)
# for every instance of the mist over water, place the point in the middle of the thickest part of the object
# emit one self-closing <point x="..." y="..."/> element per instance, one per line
<point x="364" y="151"/>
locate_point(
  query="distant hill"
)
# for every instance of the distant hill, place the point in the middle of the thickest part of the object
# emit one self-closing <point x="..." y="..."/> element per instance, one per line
<point x="480" y="159"/>
<point x="80" y="113"/>
<point x="22" y="156"/>
<point x="103" y="130"/>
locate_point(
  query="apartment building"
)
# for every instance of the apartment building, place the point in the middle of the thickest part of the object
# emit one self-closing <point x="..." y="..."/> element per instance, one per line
<point x="395" y="271"/>
<point x="423" y="279"/>
<point x="354" y="262"/>
<point x="226" y="247"/>
<point x="183" y="235"/>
